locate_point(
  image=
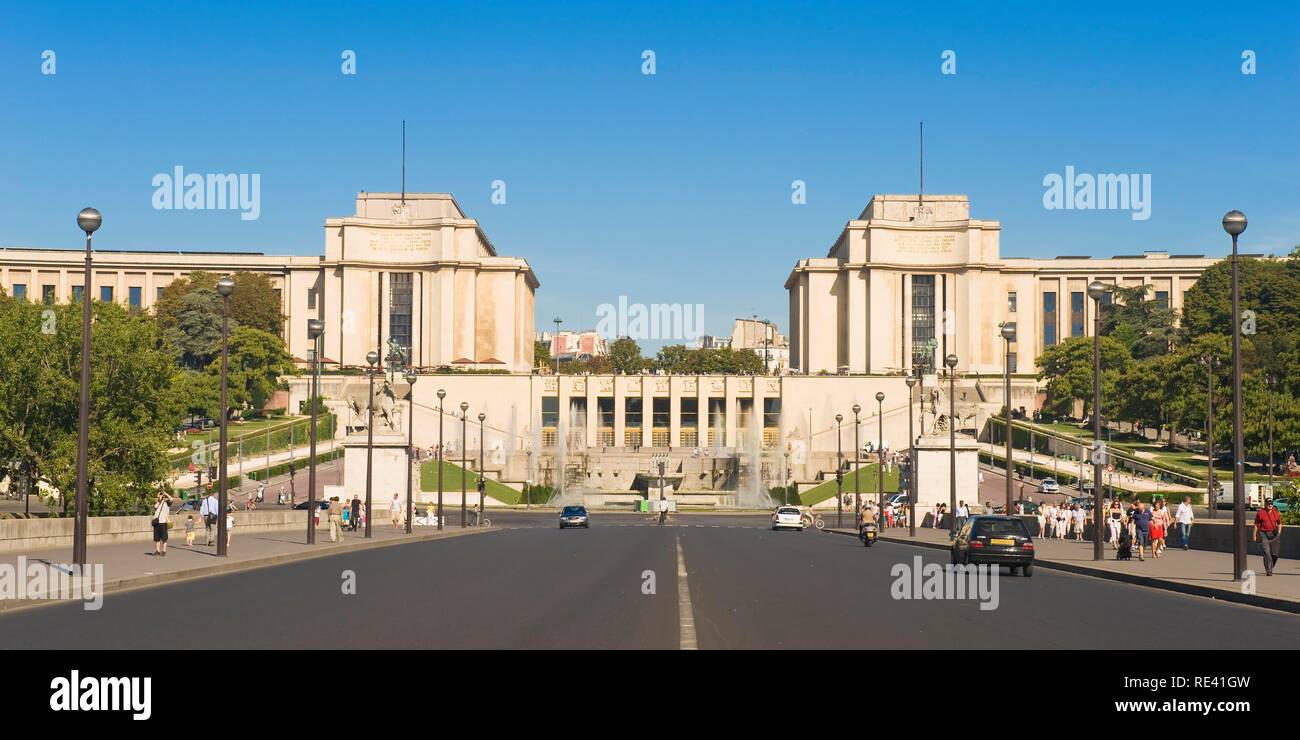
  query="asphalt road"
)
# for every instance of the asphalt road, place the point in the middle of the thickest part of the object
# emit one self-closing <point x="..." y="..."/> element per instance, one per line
<point x="530" y="585"/>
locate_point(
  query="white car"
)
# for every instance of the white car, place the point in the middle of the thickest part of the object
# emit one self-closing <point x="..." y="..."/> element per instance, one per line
<point x="787" y="517"/>
<point x="1049" y="485"/>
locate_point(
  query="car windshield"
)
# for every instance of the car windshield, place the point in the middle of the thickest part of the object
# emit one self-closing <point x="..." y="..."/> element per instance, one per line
<point x="787" y="510"/>
<point x="574" y="511"/>
<point x="997" y="527"/>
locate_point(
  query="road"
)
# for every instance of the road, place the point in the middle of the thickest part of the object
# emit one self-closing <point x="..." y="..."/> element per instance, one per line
<point x="530" y="585"/>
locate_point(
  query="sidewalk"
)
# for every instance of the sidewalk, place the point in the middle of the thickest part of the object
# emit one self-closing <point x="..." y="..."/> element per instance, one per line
<point x="1196" y="572"/>
<point x="130" y="564"/>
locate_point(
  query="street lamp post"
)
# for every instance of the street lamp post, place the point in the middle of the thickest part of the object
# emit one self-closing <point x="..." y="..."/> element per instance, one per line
<point x="372" y="357"/>
<point x="89" y="221"/>
<point x="441" y="395"/>
<point x="839" y="471"/>
<point x="911" y="462"/>
<point x="880" y="450"/>
<point x="315" y="328"/>
<point x="1008" y="331"/>
<point x="556" y="344"/>
<point x="1234" y="222"/>
<point x="1270" y="383"/>
<point x="951" y="362"/>
<point x="464" y="462"/>
<point x="1096" y="291"/>
<point x="857" y="471"/>
<point x="225" y="286"/>
<point x="482" y="481"/>
<point x="410" y="449"/>
<point x="1211" y="501"/>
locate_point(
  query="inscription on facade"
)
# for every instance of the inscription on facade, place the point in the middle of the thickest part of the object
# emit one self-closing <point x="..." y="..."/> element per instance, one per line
<point x="925" y="243"/>
<point x="400" y="241"/>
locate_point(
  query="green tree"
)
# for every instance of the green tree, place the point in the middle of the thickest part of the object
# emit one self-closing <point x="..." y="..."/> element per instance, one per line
<point x="132" y="411"/>
<point x="625" y="356"/>
<point x="195" y="333"/>
<point x="254" y="302"/>
<point x="1067" y="368"/>
<point x="541" y="354"/>
<point x="1145" y="327"/>
<point x="257" y="361"/>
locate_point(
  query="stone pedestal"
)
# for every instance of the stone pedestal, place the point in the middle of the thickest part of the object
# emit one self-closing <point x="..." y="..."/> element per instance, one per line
<point x="390" y="466"/>
<point x="933" y="482"/>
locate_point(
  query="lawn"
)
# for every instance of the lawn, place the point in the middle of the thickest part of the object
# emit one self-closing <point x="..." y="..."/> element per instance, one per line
<point x="868" y="475"/>
<point x="451" y="477"/>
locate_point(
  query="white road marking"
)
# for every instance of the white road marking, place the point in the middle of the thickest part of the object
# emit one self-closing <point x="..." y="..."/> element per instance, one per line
<point x="685" y="613"/>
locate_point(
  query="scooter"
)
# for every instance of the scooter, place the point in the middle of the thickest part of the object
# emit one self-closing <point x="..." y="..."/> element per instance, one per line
<point x="867" y="533"/>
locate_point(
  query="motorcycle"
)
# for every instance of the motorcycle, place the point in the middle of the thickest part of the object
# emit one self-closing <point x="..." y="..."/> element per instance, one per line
<point x="868" y="534"/>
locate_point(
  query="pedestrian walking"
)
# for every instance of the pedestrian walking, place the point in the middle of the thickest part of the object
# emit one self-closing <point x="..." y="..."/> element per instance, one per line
<point x="1184" y="516"/>
<point x="208" y="510"/>
<point x="1079" y="518"/>
<point x="161" y="514"/>
<point x="355" y="519"/>
<point x="1141" y="521"/>
<point x="1268" y="533"/>
<point x="395" y="512"/>
<point x="336" y="519"/>
<point x="230" y="526"/>
<point x="963" y="513"/>
<point x="1042" y="521"/>
<point x="189" y="531"/>
<point x="1159" y="527"/>
<point x="1115" y="522"/>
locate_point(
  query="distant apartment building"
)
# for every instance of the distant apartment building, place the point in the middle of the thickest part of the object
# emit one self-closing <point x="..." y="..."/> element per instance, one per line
<point x="576" y="345"/>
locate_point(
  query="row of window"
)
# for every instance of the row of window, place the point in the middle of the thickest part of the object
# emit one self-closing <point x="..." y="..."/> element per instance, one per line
<point x="661" y="411"/>
<point x="1077" y="306"/>
<point x="134" y="295"/>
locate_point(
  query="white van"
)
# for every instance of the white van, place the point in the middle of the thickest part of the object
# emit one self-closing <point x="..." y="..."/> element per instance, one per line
<point x="1255" y="495"/>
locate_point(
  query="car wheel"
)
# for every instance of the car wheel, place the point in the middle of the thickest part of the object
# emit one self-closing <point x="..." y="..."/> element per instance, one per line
<point x="1011" y="569"/>
<point x="1027" y="571"/>
<point x="587" y="525"/>
<point x="561" y="526"/>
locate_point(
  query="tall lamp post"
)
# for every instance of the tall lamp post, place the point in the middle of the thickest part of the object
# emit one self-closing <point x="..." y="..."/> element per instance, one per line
<point x="839" y="471"/>
<point x="315" y="328"/>
<point x="482" y="480"/>
<point x="464" y="463"/>
<point x="556" y="321"/>
<point x="911" y="461"/>
<point x="372" y="358"/>
<point x="1008" y="331"/>
<point x="950" y="362"/>
<point x="410" y="449"/>
<point x="225" y="286"/>
<point x="880" y="450"/>
<point x="89" y="221"/>
<point x="1270" y="383"/>
<point x="1234" y="222"/>
<point x="1096" y="291"/>
<point x="1211" y="499"/>
<point x="441" y="395"/>
<point x="857" y="470"/>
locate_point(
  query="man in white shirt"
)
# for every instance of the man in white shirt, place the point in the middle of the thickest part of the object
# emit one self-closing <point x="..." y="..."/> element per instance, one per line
<point x="1184" y="518"/>
<point x="963" y="513"/>
<point x="395" y="510"/>
<point x="208" y="510"/>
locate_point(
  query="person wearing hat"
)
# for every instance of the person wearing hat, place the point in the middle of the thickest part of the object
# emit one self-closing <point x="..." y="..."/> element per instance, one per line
<point x="1268" y="533"/>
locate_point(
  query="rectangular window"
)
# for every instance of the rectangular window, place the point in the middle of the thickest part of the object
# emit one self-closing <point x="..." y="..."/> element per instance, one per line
<point x="20" y="291"/>
<point x="311" y="299"/>
<point x="1076" y="313"/>
<point x="1011" y="302"/>
<point x="399" y="308"/>
<point x="690" y="421"/>
<point x="550" y="420"/>
<point x="1049" y="318"/>
<point x="662" y="413"/>
<point x="77" y="290"/>
<point x="923" y="342"/>
<point x="718" y="422"/>
<point x="134" y="297"/>
<point x="47" y="295"/>
<point x="1011" y="362"/>
<point x="1162" y="298"/>
<point x="631" y="412"/>
<point x="157" y="295"/>
<point x="106" y="293"/>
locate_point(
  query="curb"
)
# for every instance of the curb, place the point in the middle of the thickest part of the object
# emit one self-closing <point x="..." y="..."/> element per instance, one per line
<point x="132" y="583"/>
<point x="1218" y="594"/>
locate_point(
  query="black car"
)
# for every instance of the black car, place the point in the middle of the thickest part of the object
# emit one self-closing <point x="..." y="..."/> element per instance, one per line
<point x="321" y="505"/>
<point x="574" y="516"/>
<point x="995" y="540"/>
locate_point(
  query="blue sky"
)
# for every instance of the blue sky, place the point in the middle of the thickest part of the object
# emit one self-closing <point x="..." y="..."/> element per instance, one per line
<point x="666" y="188"/>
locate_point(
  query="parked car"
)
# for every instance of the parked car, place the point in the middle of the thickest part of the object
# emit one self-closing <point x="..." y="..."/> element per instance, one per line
<point x="995" y="540"/>
<point x="787" y="517"/>
<point x="574" y="516"/>
<point x="321" y="505"/>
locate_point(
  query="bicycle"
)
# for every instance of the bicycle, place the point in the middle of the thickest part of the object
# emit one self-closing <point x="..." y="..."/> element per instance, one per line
<point x="809" y="520"/>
